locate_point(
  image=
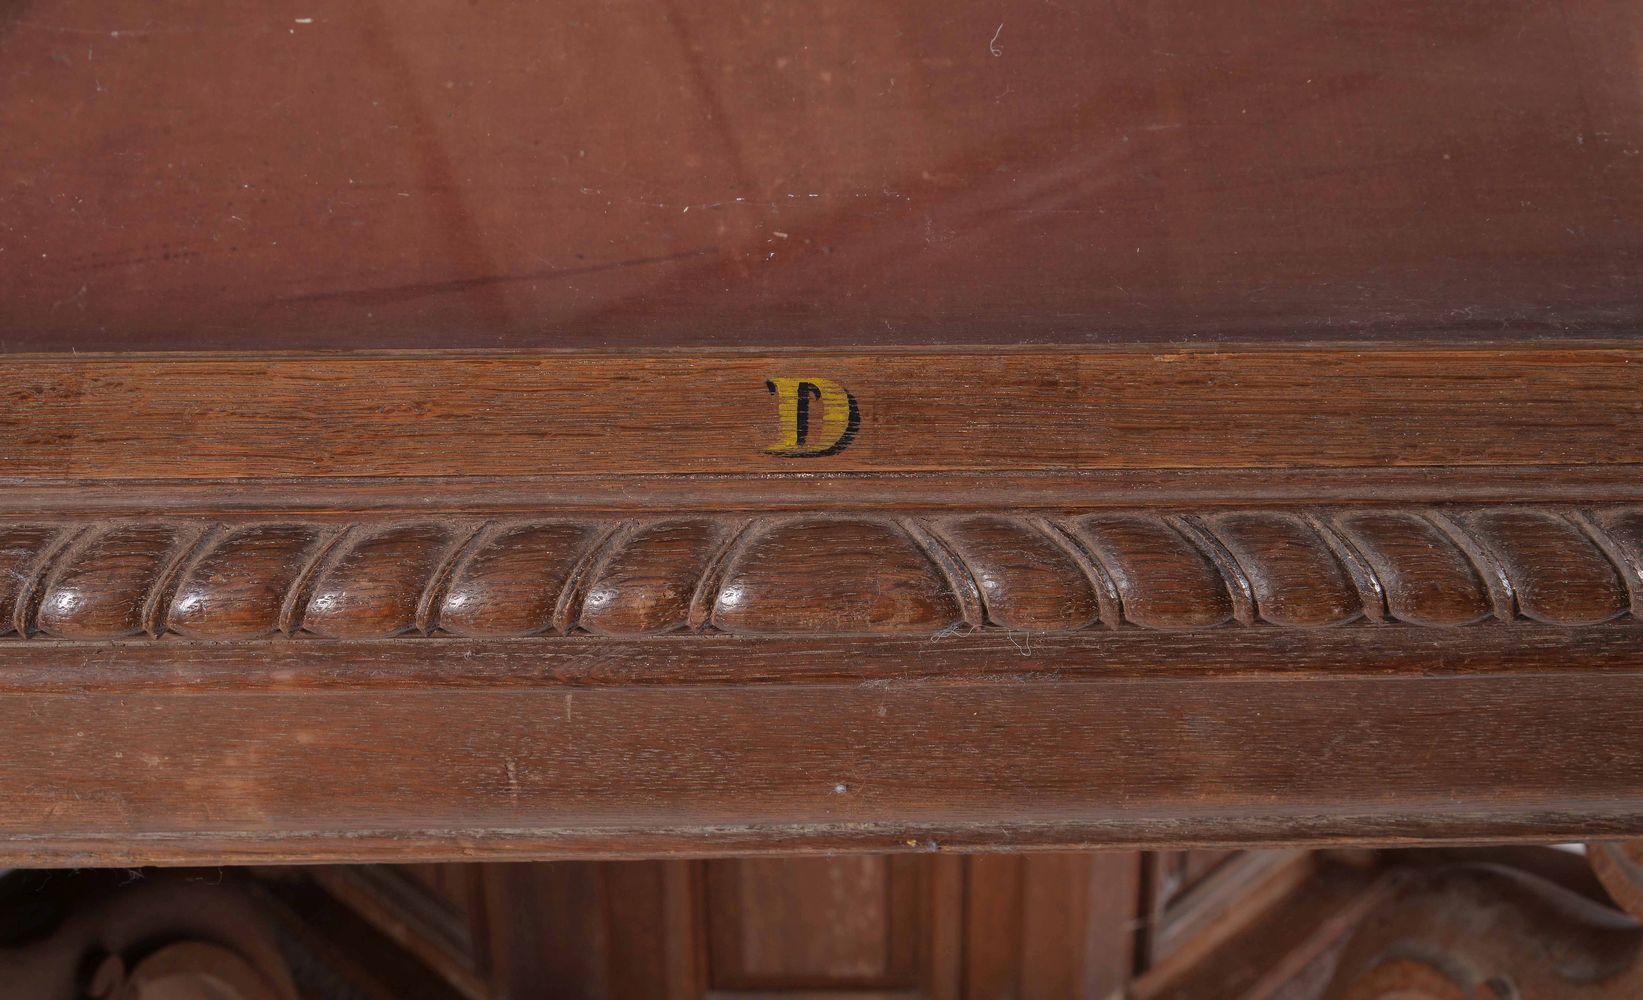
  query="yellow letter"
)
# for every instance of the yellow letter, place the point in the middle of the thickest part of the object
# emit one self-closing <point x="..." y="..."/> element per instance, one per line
<point x="802" y="436"/>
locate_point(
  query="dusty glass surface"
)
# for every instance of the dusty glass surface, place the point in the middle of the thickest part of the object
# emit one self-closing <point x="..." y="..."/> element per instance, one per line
<point x="366" y="174"/>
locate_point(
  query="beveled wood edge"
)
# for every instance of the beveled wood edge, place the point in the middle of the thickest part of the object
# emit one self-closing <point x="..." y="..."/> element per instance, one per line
<point x="1434" y="339"/>
<point x="1040" y="490"/>
<point x="960" y="660"/>
<point x="458" y="844"/>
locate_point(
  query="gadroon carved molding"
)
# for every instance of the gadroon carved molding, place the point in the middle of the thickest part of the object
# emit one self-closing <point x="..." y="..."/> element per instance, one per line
<point x="817" y="575"/>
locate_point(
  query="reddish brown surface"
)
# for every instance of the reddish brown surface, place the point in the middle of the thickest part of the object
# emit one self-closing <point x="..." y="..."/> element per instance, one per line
<point x="359" y="174"/>
<point x="1561" y="410"/>
<point x="1099" y="597"/>
<point x="829" y="575"/>
<point x="1463" y="924"/>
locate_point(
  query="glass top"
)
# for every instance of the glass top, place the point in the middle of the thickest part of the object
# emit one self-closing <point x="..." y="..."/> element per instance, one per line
<point x="362" y="174"/>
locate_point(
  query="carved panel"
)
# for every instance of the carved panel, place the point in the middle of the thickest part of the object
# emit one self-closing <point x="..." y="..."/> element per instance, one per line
<point x="1482" y="931"/>
<point x="143" y="936"/>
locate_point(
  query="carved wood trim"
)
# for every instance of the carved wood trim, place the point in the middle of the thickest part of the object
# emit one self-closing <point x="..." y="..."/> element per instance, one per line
<point x="115" y="936"/>
<point x="1619" y="866"/>
<point x="543" y="604"/>
<point x="836" y="574"/>
<point x="1480" y="931"/>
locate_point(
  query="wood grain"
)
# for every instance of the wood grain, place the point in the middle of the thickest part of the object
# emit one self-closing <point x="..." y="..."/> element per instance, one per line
<point x="422" y="607"/>
<point x="1241" y="529"/>
<point x="121" y="777"/>
<point x="66" y="666"/>
<point x="193" y="417"/>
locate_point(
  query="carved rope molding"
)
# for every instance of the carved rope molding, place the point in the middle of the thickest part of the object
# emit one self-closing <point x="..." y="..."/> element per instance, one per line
<point x="818" y="575"/>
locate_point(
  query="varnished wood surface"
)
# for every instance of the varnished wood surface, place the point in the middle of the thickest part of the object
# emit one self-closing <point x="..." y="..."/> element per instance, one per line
<point x="375" y="772"/>
<point x="1333" y="407"/>
<point x="874" y="493"/>
<point x="717" y="560"/>
<point x="410" y="607"/>
<point x="795" y="574"/>
<point x="185" y="176"/>
<point x="176" y="666"/>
